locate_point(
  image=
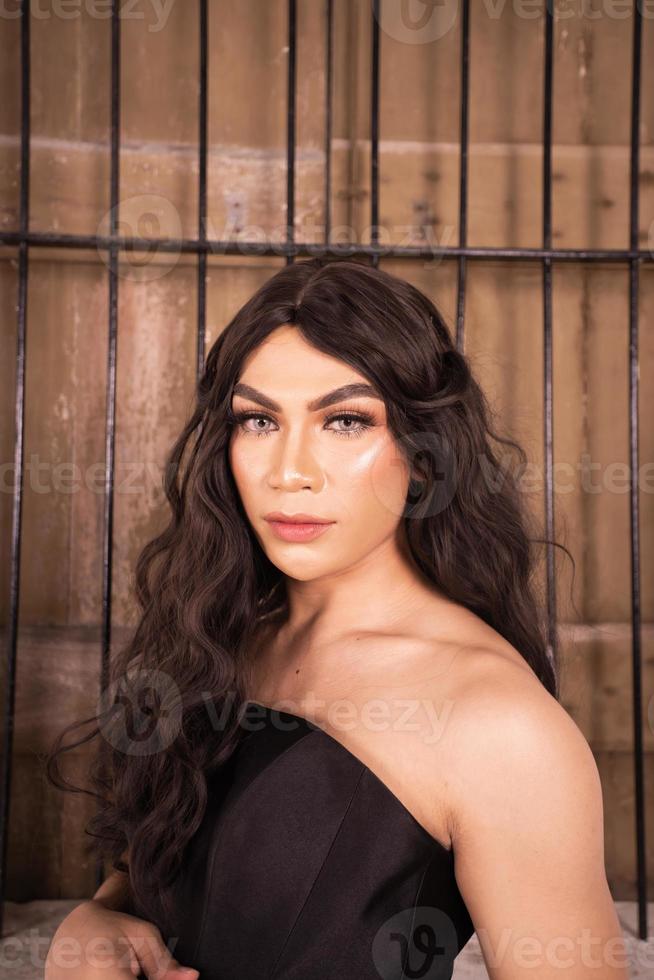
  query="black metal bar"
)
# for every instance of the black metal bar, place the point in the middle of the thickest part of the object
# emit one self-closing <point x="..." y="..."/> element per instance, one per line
<point x="17" y="501"/>
<point x="463" y="171"/>
<point x="329" y="57"/>
<point x="374" y="133"/>
<point x="547" y="327"/>
<point x="112" y="351"/>
<point x="636" y="626"/>
<point x="202" y="188"/>
<point x="256" y="248"/>
<point x="290" y="131"/>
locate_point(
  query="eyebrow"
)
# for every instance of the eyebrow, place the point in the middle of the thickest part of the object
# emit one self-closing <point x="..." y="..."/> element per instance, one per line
<point x="357" y="389"/>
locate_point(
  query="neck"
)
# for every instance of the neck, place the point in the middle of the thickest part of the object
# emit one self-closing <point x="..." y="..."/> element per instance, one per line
<point x="377" y="593"/>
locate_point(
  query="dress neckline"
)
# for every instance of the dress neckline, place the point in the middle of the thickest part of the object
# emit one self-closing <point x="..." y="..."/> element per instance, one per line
<point x="449" y="851"/>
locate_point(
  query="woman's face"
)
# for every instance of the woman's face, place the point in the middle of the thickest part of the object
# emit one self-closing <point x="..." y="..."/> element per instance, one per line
<point x="297" y="454"/>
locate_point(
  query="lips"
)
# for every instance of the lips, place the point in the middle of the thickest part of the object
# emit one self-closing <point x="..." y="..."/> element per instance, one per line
<point x="280" y="518"/>
<point x="297" y="527"/>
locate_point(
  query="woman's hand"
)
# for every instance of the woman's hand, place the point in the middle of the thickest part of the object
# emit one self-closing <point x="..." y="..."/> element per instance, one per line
<point x="95" y="942"/>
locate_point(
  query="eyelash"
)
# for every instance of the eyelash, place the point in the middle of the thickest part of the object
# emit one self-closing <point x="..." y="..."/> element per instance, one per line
<point x="366" y="422"/>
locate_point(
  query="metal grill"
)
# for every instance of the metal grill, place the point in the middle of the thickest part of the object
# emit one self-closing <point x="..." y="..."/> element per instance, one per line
<point x="114" y="244"/>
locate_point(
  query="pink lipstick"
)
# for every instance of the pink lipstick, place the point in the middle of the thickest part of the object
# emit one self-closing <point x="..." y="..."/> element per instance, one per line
<point x="297" y="527"/>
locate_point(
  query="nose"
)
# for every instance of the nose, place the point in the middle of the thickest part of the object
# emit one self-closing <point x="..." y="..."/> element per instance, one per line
<point x="294" y="464"/>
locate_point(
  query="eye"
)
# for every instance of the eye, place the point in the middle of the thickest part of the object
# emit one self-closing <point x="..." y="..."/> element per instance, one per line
<point x="356" y="423"/>
<point x="240" y="418"/>
<point x="362" y="422"/>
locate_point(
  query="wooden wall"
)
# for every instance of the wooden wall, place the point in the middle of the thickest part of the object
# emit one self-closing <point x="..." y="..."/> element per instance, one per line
<point x="60" y="598"/>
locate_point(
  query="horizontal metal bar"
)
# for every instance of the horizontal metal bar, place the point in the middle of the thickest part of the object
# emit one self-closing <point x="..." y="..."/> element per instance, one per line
<point x="254" y="249"/>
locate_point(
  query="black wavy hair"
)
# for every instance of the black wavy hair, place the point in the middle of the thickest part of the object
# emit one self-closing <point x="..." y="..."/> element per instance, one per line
<point x="204" y="584"/>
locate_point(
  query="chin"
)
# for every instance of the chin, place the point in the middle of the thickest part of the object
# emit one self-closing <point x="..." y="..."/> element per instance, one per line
<point x="301" y="571"/>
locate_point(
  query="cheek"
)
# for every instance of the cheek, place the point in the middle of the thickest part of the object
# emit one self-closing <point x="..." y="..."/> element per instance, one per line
<point x="246" y="459"/>
<point x="241" y="469"/>
<point x="375" y="481"/>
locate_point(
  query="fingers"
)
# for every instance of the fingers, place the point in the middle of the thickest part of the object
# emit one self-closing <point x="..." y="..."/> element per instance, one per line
<point x="94" y="943"/>
<point x="155" y="959"/>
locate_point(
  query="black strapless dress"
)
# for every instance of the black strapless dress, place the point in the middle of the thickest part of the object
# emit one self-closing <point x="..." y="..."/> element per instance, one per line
<point x="307" y="867"/>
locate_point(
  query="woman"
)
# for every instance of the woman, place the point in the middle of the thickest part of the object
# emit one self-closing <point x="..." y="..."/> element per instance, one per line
<point x="359" y="755"/>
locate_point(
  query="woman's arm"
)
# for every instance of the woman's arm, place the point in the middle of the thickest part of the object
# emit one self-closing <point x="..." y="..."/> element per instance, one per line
<point x="527" y="828"/>
<point x="101" y="940"/>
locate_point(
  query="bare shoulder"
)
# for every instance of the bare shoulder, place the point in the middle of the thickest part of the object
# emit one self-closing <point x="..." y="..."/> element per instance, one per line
<point x="493" y="687"/>
<point x="480" y="726"/>
<point x="520" y="773"/>
<point x="505" y="729"/>
<point x="525" y="817"/>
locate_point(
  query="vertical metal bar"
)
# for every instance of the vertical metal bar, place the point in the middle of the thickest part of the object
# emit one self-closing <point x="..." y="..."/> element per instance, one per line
<point x="547" y="325"/>
<point x="17" y="500"/>
<point x="110" y="408"/>
<point x="374" y="133"/>
<point x="202" y="190"/>
<point x="636" y="649"/>
<point x="463" y="172"/>
<point x="290" y="129"/>
<point x="329" y="30"/>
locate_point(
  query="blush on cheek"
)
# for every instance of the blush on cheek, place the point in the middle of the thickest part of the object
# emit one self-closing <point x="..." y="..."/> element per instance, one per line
<point x="385" y="483"/>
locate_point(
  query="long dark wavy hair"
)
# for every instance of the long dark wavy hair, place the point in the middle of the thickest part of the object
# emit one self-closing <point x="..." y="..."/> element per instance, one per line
<point x="204" y="585"/>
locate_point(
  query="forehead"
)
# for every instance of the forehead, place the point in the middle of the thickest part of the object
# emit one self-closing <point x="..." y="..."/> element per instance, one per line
<point x="289" y="369"/>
